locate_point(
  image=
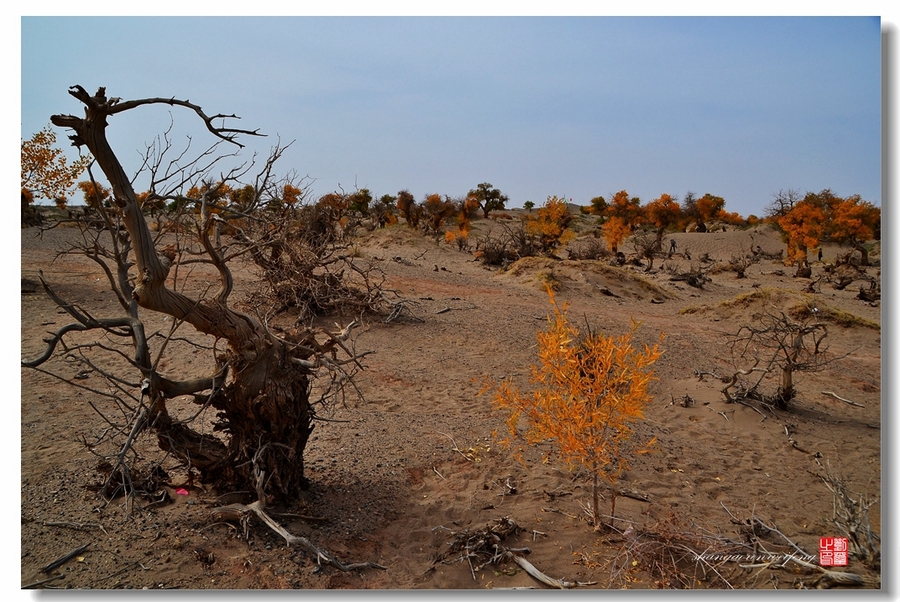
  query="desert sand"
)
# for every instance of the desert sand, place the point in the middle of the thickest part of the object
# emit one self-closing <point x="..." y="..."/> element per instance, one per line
<point x="416" y="464"/>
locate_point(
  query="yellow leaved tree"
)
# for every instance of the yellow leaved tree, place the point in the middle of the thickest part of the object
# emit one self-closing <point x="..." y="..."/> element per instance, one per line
<point x="550" y="227"/>
<point x="590" y="389"/>
<point x="46" y="172"/>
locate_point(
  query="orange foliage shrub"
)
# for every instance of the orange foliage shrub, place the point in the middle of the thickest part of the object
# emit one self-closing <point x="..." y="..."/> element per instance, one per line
<point x="334" y="204"/>
<point x="435" y="210"/>
<point x="590" y="389"/>
<point x="45" y="169"/>
<point x="662" y="213"/>
<point x="459" y="237"/>
<point x="622" y="213"/>
<point x="803" y="227"/>
<point x="614" y="231"/>
<point x="855" y="221"/>
<point x="291" y="195"/>
<point x="550" y="226"/>
<point x="406" y="205"/>
<point x="733" y="218"/>
<point x="710" y="207"/>
<point x="826" y="216"/>
<point x="95" y="195"/>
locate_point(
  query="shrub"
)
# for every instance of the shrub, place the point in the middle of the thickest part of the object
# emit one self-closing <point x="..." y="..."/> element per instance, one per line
<point x="590" y="389"/>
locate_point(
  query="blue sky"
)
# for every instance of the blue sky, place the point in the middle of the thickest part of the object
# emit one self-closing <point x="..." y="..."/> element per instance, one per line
<point x="738" y="107"/>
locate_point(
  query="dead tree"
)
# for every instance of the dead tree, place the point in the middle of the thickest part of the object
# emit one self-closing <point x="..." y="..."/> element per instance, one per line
<point x="506" y="244"/>
<point x="307" y="265"/>
<point x="646" y="247"/>
<point x="696" y="277"/>
<point x="776" y="343"/>
<point x="842" y="275"/>
<point x="870" y="294"/>
<point x="740" y="262"/>
<point x="261" y="383"/>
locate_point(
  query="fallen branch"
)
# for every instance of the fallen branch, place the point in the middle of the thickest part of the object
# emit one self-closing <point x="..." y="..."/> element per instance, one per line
<point x="455" y="446"/>
<point x="635" y="495"/>
<point x="306" y="517"/>
<point x="557" y="583"/>
<point x="847" y="401"/>
<point x="831" y="578"/>
<point x="558" y="511"/>
<point x="76" y="526"/>
<point x="65" y="558"/>
<point x="483" y="545"/>
<point x="241" y="513"/>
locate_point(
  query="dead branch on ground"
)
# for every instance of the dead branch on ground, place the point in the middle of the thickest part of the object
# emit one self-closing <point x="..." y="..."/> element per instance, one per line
<point x="485" y="547"/>
<point x="696" y="277"/>
<point x="851" y="516"/>
<point x="847" y="401"/>
<point x="241" y="513"/>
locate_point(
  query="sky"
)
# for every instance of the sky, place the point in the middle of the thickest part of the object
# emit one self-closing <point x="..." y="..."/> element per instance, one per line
<point x="578" y="107"/>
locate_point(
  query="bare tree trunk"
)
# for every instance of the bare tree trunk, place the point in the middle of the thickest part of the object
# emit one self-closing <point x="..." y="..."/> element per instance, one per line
<point x="864" y="254"/>
<point x="786" y="391"/>
<point x="264" y="406"/>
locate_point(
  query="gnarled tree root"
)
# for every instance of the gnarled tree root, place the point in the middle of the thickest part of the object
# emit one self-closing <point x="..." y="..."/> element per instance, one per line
<point x="241" y="513"/>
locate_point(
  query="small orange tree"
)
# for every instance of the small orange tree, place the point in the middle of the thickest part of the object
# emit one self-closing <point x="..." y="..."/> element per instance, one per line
<point x="550" y="227"/>
<point x="45" y="170"/>
<point x="406" y="205"/>
<point x="803" y="227"/>
<point x="615" y="230"/>
<point x="590" y="389"/>
<point x="855" y="221"/>
<point x="623" y="213"/>
<point x="662" y="213"/>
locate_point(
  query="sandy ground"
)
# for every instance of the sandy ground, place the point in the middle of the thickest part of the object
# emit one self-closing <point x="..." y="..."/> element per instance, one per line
<point x="400" y="475"/>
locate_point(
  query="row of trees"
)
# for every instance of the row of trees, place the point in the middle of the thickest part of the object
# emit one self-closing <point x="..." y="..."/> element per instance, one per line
<point x="805" y="221"/>
<point x="623" y="213"/>
<point x="823" y="216"/>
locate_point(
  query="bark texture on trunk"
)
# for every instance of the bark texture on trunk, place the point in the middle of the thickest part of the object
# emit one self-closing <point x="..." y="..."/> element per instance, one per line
<point x="264" y="404"/>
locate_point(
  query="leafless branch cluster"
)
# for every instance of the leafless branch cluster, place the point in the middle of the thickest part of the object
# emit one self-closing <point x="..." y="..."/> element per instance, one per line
<point x="773" y="550"/>
<point x="646" y="246"/>
<point x="241" y="513"/>
<point x="775" y="342"/>
<point x="505" y="244"/>
<point x="695" y="277"/>
<point x="588" y="248"/>
<point x="481" y="547"/>
<point x="307" y="266"/>
<point x="484" y="547"/>
<point x="674" y="555"/>
<point x="261" y="387"/>
<point x="851" y="516"/>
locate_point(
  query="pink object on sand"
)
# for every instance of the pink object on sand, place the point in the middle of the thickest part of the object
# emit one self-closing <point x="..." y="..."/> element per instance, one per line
<point x="182" y="491"/>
